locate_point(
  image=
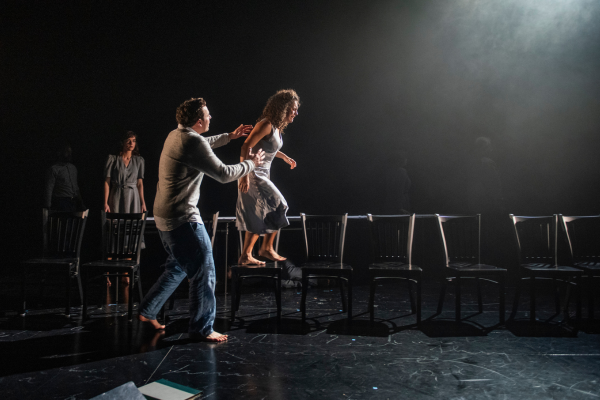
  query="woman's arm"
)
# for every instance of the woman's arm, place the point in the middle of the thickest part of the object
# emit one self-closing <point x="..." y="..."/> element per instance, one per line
<point x="140" y="188"/>
<point x="286" y="159"/>
<point x="262" y="129"/>
<point x="106" y="192"/>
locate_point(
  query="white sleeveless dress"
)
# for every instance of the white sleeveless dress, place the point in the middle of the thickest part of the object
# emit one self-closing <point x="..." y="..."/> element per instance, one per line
<point x="263" y="208"/>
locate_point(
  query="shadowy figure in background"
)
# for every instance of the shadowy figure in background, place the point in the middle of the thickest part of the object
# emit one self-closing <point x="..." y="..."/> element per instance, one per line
<point x="61" y="192"/>
<point x="395" y="197"/>
<point x="484" y="196"/>
<point x="484" y="188"/>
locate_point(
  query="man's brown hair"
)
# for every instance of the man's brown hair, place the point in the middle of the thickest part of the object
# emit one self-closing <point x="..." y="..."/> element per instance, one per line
<point x="190" y="111"/>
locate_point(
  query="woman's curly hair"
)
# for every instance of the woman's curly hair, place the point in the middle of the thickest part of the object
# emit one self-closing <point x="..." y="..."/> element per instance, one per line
<point x="278" y="106"/>
<point x="123" y="140"/>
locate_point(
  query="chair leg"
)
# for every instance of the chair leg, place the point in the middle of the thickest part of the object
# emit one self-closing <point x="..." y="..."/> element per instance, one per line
<point x="458" y="298"/>
<point x="238" y="294"/>
<point x="590" y="296"/>
<point x="303" y="299"/>
<point x="516" y="300"/>
<point x="556" y="296"/>
<point x="130" y="300"/>
<point x="350" y="298"/>
<point x="411" y="296"/>
<point x="86" y="292"/>
<point x="479" y="299"/>
<point x="139" y="284"/>
<point x="502" y="288"/>
<point x="233" y="293"/>
<point x="419" y="300"/>
<point x="24" y="291"/>
<point x="80" y="287"/>
<point x="341" y="284"/>
<point x="442" y="295"/>
<point x="68" y="294"/>
<point x="278" y="294"/>
<point x="532" y="298"/>
<point x="372" y="300"/>
<point x="578" y="310"/>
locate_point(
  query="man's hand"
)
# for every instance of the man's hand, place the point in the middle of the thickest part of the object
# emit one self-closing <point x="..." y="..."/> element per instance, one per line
<point x="257" y="158"/>
<point x="244" y="183"/>
<point x="242" y="130"/>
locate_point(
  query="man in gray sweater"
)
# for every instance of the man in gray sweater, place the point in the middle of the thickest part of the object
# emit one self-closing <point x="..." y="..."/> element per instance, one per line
<point x="185" y="158"/>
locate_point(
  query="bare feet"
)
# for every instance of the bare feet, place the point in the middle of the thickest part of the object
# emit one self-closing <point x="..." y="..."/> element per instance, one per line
<point x="108" y="284"/>
<point x="271" y="255"/>
<point x="213" y="337"/>
<point x="154" y="322"/>
<point x="246" y="259"/>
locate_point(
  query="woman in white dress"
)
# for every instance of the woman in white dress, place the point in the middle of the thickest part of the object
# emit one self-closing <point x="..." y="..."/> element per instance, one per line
<point x="261" y="208"/>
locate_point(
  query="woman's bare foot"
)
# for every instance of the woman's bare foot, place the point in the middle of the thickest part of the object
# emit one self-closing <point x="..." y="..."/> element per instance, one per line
<point x="271" y="255"/>
<point x="213" y="337"/>
<point x="154" y="322"/>
<point x="246" y="259"/>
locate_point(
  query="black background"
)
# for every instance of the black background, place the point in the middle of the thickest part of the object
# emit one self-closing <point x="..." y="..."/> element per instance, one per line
<point x="374" y="77"/>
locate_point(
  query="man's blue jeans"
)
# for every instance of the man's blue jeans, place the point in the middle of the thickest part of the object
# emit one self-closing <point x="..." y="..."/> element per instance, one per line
<point x="190" y="254"/>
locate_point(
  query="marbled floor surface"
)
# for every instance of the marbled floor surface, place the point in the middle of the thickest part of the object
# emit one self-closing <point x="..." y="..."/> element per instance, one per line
<point x="47" y="356"/>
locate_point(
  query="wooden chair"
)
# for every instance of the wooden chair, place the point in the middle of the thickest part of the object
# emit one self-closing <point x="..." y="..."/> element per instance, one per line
<point x="461" y="238"/>
<point x="63" y="233"/>
<point x="271" y="271"/>
<point x="391" y="252"/>
<point x="324" y="236"/>
<point x="536" y="239"/>
<point x="121" y="251"/>
<point x="583" y="237"/>
<point x="211" y="228"/>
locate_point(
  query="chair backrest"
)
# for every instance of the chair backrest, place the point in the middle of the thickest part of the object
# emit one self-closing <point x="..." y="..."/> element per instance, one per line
<point x="391" y="237"/>
<point x="122" y="235"/>
<point x="63" y="233"/>
<point x="535" y="238"/>
<point x="461" y="237"/>
<point x="324" y="236"/>
<point x="583" y="236"/>
<point x="213" y="228"/>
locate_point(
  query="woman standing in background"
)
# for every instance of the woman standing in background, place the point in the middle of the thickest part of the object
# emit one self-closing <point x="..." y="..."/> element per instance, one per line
<point x="124" y="178"/>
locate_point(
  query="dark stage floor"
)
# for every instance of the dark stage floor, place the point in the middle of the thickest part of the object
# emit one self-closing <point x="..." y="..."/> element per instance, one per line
<point x="46" y="356"/>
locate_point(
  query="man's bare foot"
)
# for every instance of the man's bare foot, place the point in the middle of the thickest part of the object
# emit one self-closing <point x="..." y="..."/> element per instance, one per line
<point x="246" y="259"/>
<point x="213" y="337"/>
<point x="271" y="255"/>
<point x="154" y="322"/>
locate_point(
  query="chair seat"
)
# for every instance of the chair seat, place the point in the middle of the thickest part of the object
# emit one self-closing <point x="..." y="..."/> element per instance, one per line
<point x="325" y="266"/>
<point x="108" y="266"/>
<point x="266" y="269"/>
<point x="549" y="268"/>
<point x="480" y="268"/>
<point x="52" y="260"/>
<point x="394" y="266"/>
<point x="588" y="266"/>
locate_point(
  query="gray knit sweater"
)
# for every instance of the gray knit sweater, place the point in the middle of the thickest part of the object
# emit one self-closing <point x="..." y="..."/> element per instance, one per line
<point x="185" y="158"/>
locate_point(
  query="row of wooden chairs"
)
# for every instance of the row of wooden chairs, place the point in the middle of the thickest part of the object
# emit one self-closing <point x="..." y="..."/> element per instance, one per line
<point x="391" y="240"/>
<point x="62" y="237"/>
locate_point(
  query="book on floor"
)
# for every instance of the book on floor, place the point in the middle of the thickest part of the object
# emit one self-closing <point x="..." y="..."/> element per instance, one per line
<point x="163" y="389"/>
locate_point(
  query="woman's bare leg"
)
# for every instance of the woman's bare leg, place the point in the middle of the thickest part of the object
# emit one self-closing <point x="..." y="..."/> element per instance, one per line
<point x="246" y="257"/>
<point x="267" y="250"/>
